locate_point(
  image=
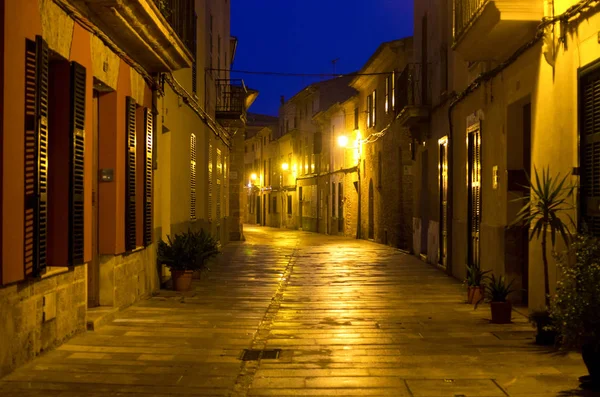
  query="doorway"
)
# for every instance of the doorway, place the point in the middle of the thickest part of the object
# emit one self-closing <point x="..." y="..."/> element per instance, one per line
<point x="443" y="179"/>
<point x="258" y="211"/>
<point x="474" y="201"/>
<point x="424" y="200"/>
<point x="94" y="266"/>
<point x="300" y="201"/>
<point x="371" y="211"/>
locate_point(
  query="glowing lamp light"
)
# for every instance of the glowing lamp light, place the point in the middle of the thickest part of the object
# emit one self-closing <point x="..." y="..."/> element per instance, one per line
<point x="343" y="141"/>
<point x="285" y="166"/>
<point x="253" y="177"/>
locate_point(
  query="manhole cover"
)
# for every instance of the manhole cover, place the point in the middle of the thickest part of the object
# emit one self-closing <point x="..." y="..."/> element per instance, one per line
<point x="255" y="355"/>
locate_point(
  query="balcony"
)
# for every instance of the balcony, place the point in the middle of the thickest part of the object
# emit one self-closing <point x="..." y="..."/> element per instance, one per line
<point x="233" y="99"/>
<point x="157" y="34"/>
<point x="491" y="30"/>
<point x="412" y="100"/>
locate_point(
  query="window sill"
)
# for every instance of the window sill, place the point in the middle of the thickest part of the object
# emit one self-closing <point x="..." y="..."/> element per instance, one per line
<point x="52" y="271"/>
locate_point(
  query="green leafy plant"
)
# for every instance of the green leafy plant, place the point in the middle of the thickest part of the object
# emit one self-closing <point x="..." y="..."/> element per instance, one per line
<point x="497" y="289"/>
<point x="542" y="213"/>
<point x="187" y="251"/>
<point x="475" y="276"/>
<point x="575" y="307"/>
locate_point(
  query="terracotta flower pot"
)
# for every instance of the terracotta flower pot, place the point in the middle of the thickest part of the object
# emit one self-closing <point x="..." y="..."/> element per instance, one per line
<point x="501" y="312"/>
<point x="182" y="279"/>
<point x="475" y="294"/>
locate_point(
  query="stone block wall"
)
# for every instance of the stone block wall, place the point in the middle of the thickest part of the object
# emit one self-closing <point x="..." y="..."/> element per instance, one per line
<point x="25" y="331"/>
<point x="126" y="279"/>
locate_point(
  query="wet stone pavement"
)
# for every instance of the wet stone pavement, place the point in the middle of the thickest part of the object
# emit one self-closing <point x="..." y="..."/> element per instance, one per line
<point x="350" y="318"/>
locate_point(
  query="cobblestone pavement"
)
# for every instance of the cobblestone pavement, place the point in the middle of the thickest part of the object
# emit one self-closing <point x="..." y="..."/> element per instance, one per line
<point x="351" y="318"/>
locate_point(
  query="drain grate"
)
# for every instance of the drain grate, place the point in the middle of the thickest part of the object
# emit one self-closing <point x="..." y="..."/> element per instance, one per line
<point x="255" y="355"/>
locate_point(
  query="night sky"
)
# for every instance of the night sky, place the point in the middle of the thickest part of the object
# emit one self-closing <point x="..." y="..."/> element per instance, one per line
<point x="304" y="36"/>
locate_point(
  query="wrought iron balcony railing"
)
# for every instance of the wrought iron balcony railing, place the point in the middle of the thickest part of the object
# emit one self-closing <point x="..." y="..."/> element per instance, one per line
<point x="181" y="15"/>
<point x="465" y="12"/>
<point x="231" y="96"/>
<point x="411" y="87"/>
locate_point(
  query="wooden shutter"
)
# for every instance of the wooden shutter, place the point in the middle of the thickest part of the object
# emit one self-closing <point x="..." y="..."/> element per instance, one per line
<point x="218" y="192"/>
<point x="130" y="210"/>
<point x="474" y="193"/>
<point x="77" y="136"/>
<point x="149" y="123"/>
<point x="590" y="152"/>
<point x="36" y="156"/>
<point x="193" y="177"/>
<point x="210" y="178"/>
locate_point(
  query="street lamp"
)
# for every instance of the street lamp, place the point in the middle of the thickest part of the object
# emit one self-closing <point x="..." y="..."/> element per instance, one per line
<point x="343" y="142"/>
<point x="253" y="177"/>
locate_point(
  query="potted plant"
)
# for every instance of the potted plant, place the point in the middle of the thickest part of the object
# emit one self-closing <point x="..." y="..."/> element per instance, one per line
<point x="541" y="320"/>
<point x="575" y="307"/>
<point x="497" y="291"/>
<point x="185" y="253"/>
<point x="542" y="214"/>
<point x="475" y="283"/>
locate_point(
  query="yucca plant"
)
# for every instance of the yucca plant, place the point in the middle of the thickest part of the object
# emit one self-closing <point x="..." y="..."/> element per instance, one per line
<point x="542" y="213"/>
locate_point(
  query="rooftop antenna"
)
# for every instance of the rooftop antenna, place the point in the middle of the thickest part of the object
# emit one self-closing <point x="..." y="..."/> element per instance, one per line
<point x="333" y="63"/>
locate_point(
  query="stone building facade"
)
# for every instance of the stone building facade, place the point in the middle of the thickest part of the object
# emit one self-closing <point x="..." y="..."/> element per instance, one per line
<point x="511" y="91"/>
<point x="106" y="148"/>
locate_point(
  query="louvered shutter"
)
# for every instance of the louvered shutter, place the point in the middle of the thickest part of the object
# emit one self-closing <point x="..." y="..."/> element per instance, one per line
<point x="210" y="183"/>
<point x="76" y="202"/>
<point x="130" y="210"/>
<point x="475" y="193"/>
<point x="193" y="176"/>
<point x="149" y="123"/>
<point x="36" y="156"/>
<point x="218" y="192"/>
<point x="590" y="152"/>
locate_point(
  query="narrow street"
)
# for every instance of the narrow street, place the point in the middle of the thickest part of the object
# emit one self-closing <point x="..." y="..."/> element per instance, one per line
<point x="350" y="317"/>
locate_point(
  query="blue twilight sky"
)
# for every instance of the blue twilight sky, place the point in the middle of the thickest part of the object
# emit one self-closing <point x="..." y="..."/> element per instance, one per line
<point x="304" y="36"/>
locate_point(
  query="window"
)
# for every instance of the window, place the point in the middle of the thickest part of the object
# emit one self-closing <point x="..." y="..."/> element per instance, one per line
<point x="274" y="205"/>
<point x="374" y="108"/>
<point x="289" y="205"/>
<point x="210" y="40"/>
<point x="295" y="121"/>
<point x="287" y="126"/>
<point x="269" y="200"/>
<point x="387" y="95"/>
<point x="210" y="180"/>
<point x="219" y="54"/>
<point x="195" y="53"/>
<point x="333" y="200"/>
<point x="356" y="118"/>
<point x="369" y="111"/>
<point x="394" y="90"/>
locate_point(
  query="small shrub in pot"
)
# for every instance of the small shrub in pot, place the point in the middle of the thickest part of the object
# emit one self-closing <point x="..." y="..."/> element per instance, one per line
<point x="185" y="253"/>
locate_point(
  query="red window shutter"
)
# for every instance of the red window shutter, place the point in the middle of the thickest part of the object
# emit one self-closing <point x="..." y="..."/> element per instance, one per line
<point x="130" y="210"/>
<point x="149" y="123"/>
<point x="76" y="194"/>
<point x="36" y="156"/>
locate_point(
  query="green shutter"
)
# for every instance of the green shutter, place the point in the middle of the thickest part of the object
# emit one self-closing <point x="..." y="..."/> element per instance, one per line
<point x="590" y="152"/>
